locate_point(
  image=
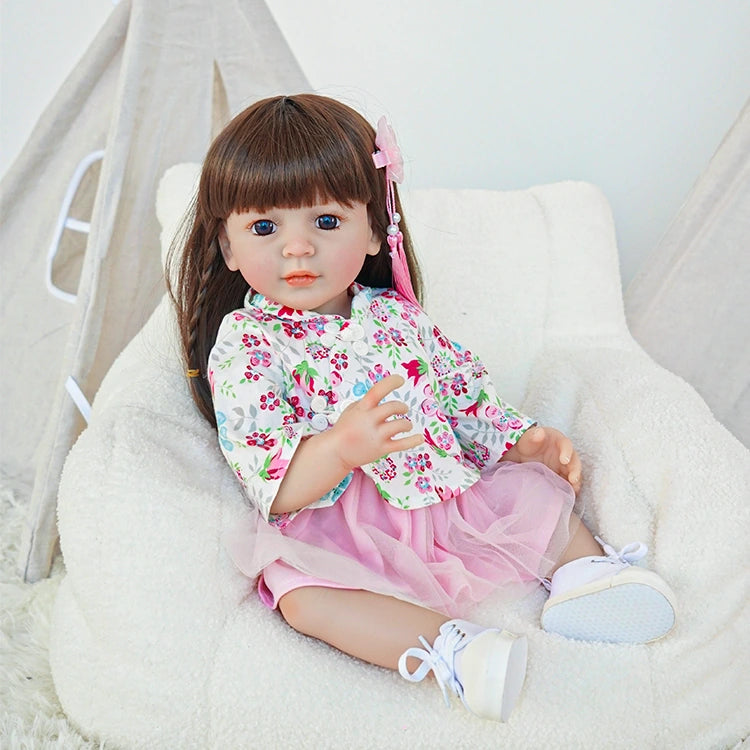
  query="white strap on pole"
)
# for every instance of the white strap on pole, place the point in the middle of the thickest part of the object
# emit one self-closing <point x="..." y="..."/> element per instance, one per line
<point x="75" y="392"/>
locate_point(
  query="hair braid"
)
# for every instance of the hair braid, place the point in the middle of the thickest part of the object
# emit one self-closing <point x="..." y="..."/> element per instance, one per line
<point x="195" y="357"/>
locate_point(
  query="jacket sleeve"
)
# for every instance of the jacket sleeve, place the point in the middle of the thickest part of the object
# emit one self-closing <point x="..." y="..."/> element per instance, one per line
<point x="485" y="425"/>
<point x="259" y="429"/>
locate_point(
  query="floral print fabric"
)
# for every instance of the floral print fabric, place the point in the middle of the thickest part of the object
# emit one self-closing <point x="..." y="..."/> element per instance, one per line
<point x="280" y="375"/>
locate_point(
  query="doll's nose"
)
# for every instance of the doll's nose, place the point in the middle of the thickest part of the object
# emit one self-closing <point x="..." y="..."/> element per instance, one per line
<point x="298" y="246"/>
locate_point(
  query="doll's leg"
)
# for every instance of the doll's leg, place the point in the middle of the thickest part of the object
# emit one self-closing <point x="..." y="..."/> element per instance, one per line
<point x="581" y="544"/>
<point x="485" y="667"/>
<point x="372" y="627"/>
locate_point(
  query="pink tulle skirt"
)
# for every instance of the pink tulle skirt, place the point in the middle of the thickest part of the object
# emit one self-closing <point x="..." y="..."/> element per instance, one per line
<point x="505" y="533"/>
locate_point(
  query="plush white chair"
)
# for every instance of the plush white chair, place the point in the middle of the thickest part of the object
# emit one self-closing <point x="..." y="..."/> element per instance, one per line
<point x="158" y="642"/>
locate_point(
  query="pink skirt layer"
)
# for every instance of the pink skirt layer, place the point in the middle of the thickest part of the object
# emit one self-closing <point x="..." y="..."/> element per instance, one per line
<point x="505" y="533"/>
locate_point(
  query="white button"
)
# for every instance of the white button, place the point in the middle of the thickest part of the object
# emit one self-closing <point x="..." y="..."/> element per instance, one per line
<point x="327" y="339"/>
<point x="346" y="334"/>
<point x="319" y="422"/>
<point x="356" y="331"/>
<point x="331" y="327"/>
<point x="360" y="347"/>
<point x="319" y="403"/>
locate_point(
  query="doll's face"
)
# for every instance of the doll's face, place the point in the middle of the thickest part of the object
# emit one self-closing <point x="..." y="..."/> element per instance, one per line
<point x="305" y="258"/>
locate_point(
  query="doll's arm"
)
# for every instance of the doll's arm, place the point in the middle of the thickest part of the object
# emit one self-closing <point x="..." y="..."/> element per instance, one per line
<point x="365" y="431"/>
<point x="550" y="447"/>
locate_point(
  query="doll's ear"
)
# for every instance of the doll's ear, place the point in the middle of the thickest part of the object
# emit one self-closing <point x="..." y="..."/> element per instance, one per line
<point x="226" y="249"/>
<point x="374" y="245"/>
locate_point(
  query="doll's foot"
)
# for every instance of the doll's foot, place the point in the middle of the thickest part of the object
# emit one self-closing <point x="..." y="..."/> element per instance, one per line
<point x="484" y="667"/>
<point x="608" y="599"/>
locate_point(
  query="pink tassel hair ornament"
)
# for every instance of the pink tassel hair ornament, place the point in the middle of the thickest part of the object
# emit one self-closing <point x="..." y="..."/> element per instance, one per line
<point x="389" y="156"/>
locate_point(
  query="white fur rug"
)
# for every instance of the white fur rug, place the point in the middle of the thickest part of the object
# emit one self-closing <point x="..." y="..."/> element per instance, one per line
<point x="30" y="714"/>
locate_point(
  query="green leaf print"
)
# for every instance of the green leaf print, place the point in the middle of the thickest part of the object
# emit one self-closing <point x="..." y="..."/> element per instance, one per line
<point x="227" y="389"/>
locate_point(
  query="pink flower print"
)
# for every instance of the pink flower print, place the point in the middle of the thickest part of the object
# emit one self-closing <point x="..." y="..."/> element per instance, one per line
<point x="458" y="384"/>
<point x="515" y="423"/>
<point x="410" y="462"/>
<point x="429" y="407"/>
<point x="294" y="402"/>
<point x="444" y="388"/>
<point x="379" y="310"/>
<point x="290" y="431"/>
<point x="385" y="468"/>
<point x="415" y="369"/>
<point x="477" y="454"/>
<point x="269" y="401"/>
<point x="294" y="329"/>
<point x="284" y="310"/>
<point x="497" y="417"/>
<point x="260" y="358"/>
<point x="441" y="363"/>
<point x="378" y="373"/>
<point x="447" y="493"/>
<point x="340" y="361"/>
<point x="251" y="375"/>
<point x="423" y="462"/>
<point x="329" y="395"/>
<point x="462" y="357"/>
<point x="423" y="485"/>
<point x="397" y="337"/>
<point x="274" y="467"/>
<point x="445" y="440"/>
<point x="317" y="325"/>
<point x="250" y="341"/>
<point x="380" y="337"/>
<point x="478" y="370"/>
<point x="317" y="351"/>
<point x="442" y="341"/>
<point x="260" y="440"/>
<point x="336" y="379"/>
<point x="281" y="521"/>
<point x="409" y="318"/>
<point x="238" y="316"/>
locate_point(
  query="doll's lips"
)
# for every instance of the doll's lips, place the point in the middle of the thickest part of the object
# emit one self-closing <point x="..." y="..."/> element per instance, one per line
<point x="300" y="278"/>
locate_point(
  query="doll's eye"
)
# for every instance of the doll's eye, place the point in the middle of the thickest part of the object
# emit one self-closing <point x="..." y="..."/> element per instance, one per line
<point x="327" y="221"/>
<point x="263" y="227"/>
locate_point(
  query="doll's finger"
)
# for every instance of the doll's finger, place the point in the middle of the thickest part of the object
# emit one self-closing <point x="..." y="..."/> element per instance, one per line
<point x="381" y="389"/>
<point x="388" y="409"/>
<point x="405" y="443"/>
<point x="566" y="451"/>
<point x="395" y="427"/>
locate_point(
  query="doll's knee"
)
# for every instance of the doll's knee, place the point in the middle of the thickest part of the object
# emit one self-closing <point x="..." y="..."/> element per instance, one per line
<point x="299" y="608"/>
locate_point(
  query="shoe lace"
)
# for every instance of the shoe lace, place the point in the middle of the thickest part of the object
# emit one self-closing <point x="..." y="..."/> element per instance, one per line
<point x="629" y="554"/>
<point x="433" y="660"/>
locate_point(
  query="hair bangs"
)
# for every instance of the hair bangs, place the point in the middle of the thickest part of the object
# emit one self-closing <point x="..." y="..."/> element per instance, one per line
<point x="291" y="156"/>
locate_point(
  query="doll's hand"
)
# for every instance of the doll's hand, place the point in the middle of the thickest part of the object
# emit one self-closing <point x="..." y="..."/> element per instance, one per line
<point x="550" y="447"/>
<point x="365" y="431"/>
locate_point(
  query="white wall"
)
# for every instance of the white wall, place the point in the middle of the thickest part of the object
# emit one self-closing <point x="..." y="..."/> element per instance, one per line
<point x="633" y="95"/>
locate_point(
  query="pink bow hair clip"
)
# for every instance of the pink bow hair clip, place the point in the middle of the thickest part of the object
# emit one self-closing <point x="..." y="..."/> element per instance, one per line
<point x="389" y="156"/>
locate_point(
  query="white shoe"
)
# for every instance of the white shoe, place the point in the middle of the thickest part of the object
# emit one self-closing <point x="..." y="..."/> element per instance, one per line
<point x="608" y="599"/>
<point x="484" y="667"/>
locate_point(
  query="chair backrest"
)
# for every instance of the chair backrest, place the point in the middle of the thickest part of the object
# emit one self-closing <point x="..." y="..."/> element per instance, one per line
<point x="510" y="273"/>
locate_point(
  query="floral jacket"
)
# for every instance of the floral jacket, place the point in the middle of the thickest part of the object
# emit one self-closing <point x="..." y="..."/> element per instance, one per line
<point x="279" y="375"/>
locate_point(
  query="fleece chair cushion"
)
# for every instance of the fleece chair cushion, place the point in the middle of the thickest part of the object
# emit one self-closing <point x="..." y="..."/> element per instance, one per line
<point x="158" y="642"/>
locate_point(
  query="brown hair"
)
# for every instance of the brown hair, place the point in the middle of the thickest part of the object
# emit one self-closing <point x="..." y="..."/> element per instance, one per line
<point x="283" y="152"/>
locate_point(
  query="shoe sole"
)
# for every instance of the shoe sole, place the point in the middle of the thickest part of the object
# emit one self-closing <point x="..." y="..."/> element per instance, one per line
<point x="494" y="670"/>
<point x="635" y="606"/>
